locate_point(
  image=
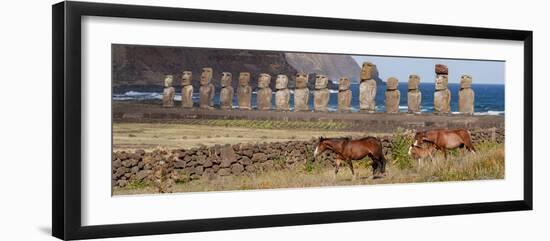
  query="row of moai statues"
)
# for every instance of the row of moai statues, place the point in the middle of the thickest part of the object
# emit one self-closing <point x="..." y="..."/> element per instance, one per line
<point x="442" y="94"/>
<point x="321" y="95"/>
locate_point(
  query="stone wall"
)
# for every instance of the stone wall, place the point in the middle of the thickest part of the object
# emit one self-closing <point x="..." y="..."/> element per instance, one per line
<point x="183" y="165"/>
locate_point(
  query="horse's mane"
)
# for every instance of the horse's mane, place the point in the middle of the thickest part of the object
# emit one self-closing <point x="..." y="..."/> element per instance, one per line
<point x="347" y="138"/>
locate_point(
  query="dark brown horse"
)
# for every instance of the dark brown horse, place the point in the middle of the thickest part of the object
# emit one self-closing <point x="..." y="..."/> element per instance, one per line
<point x="445" y="139"/>
<point x="348" y="150"/>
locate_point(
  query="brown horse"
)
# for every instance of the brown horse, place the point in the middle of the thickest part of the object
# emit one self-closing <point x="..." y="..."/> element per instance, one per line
<point x="347" y="150"/>
<point x="445" y="139"/>
<point x="420" y="153"/>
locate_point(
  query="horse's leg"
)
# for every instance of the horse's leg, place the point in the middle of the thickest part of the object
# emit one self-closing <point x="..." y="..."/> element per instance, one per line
<point x="351" y="168"/>
<point x="444" y="150"/>
<point x="336" y="168"/>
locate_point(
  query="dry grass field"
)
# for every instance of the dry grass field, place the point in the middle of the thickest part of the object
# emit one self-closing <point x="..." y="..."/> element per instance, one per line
<point x="148" y="136"/>
<point x="486" y="164"/>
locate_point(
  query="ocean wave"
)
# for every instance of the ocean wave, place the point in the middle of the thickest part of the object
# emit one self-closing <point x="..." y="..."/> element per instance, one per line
<point x="491" y="112"/>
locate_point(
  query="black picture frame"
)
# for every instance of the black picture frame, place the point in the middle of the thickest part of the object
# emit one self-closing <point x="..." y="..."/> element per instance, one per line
<point x="66" y="127"/>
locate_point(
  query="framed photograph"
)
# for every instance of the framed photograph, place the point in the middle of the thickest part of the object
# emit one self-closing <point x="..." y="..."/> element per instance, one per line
<point x="171" y="120"/>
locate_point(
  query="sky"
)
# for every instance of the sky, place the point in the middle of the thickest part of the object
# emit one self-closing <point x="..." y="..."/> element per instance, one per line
<point x="483" y="72"/>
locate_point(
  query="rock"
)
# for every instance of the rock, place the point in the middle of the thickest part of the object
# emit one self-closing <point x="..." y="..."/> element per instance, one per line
<point x="226" y="93"/>
<point x="392" y="95"/>
<point x="134" y="170"/>
<point x="180" y="164"/>
<point x="122" y="183"/>
<point x="209" y="174"/>
<point x="207" y="163"/>
<point x="367" y="95"/>
<point x="142" y="175"/>
<point x="248" y="153"/>
<point x="179" y="176"/>
<point x="191" y="164"/>
<point x="244" y="92"/>
<point x="169" y="92"/>
<point x="414" y="96"/>
<point x="245" y="161"/>
<point x="237" y="168"/>
<point x="441" y="69"/>
<point x="321" y="95"/>
<point x="215" y="168"/>
<point x="140" y="152"/>
<point x="224" y="172"/>
<point x="282" y="96"/>
<point x="201" y="159"/>
<point x="121" y="171"/>
<point x="116" y="164"/>
<point x="199" y="170"/>
<point x="259" y="157"/>
<point x="187" y="89"/>
<point x="263" y="98"/>
<point x="250" y="168"/>
<point x="207" y="89"/>
<point x="126" y="163"/>
<point x="466" y="95"/>
<point x="227" y="156"/>
<point x="190" y="170"/>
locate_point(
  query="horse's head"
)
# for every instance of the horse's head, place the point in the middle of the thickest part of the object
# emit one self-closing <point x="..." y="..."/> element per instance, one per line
<point x="321" y="147"/>
<point x="419" y="137"/>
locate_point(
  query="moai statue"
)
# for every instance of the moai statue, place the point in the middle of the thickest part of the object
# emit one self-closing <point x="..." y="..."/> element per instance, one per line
<point x="367" y="88"/>
<point x="263" y="99"/>
<point x="207" y="89"/>
<point x="301" y="93"/>
<point x="466" y="95"/>
<point x="169" y="92"/>
<point x="244" y="91"/>
<point x="226" y="93"/>
<point x="344" y="94"/>
<point x="187" y="89"/>
<point x="442" y="95"/>
<point x="414" y="96"/>
<point x="282" y="96"/>
<point x="392" y="95"/>
<point x="321" y="95"/>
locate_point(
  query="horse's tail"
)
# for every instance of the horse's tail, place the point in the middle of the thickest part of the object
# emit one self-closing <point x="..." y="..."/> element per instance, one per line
<point x="382" y="158"/>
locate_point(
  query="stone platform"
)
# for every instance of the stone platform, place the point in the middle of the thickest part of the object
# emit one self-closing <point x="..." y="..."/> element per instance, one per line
<point x="379" y="122"/>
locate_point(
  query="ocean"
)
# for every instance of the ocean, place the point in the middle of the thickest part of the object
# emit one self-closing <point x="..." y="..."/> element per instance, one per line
<point x="489" y="98"/>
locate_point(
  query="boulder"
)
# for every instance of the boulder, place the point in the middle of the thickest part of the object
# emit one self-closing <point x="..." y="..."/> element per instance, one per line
<point x="227" y="156"/>
<point x="224" y="172"/>
<point x="237" y="168"/>
<point x="259" y="157"/>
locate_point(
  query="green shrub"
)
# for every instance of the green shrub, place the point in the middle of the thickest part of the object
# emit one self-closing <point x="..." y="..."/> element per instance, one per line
<point x="136" y="184"/>
<point x="400" y="147"/>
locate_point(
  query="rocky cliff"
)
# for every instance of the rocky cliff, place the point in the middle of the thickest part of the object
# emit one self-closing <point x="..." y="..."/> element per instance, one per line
<point x="146" y="65"/>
